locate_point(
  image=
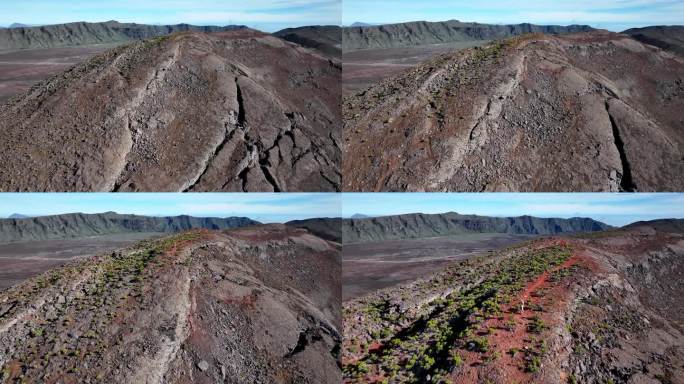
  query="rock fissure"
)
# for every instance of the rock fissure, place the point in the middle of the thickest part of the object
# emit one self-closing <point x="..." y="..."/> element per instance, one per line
<point x="626" y="181"/>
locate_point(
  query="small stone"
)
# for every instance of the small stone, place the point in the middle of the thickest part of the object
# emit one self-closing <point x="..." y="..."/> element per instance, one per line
<point x="203" y="365"/>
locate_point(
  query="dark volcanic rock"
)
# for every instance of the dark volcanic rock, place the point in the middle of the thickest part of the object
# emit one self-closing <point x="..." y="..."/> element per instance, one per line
<point x="227" y="111"/>
<point x="669" y="38"/>
<point x="423" y="32"/>
<point x="591" y="112"/>
<point x="82" y="225"/>
<point x="325" y="39"/>
<point x="82" y="33"/>
<point x="420" y="225"/>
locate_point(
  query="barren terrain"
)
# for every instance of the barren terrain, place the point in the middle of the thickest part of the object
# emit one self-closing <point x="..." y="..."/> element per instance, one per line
<point x="257" y="305"/>
<point x="225" y="111"/>
<point x="601" y="308"/>
<point x="367" y="267"/>
<point x="21" y="69"/>
<point x="24" y="260"/>
<point x="363" y="68"/>
<point x="594" y="111"/>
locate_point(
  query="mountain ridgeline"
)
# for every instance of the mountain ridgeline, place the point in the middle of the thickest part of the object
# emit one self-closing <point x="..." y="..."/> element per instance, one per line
<point x="423" y="33"/>
<point x="82" y="33"/>
<point x="82" y="225"/>
<point x="413" y="226"/>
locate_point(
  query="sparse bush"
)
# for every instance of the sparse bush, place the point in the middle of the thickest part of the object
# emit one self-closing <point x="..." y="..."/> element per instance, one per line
<point x="533" y="364"/>
<point x="537" y="325"/>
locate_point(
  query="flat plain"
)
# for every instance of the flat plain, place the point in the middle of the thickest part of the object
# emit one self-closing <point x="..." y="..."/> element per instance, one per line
<point x="21" y="69"/>
<point x="367" y="267"/>
<point x="23" y="260"/>
<point x="363" y="68"/>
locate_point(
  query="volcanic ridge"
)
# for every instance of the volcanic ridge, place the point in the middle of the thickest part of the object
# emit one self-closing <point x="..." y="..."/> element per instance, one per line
<point x="258" y="305"/>
<point x="226" y="111"/>
<point x="601" y="307"/>
<point x="592" y="111"/>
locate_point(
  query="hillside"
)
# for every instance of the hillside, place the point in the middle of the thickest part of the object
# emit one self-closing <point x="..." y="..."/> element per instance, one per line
<point x="661" y="225"/>
<point x="558" y="310"/>
<point x="326" y="39"/>
<point x="325" y="228"/>
<point x="258" y="305"/>
<point x="594" y="111"/>
<point x="414" y="226"/>
<point x="669" y="38"/>
<point x="83" y="225"/>
<point x="423" y="32"/>
<point x="227" y="111"/>
<point x="82" y="33"/>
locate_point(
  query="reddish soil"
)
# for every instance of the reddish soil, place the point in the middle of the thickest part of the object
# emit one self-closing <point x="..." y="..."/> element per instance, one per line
<point x="610" y="312"/>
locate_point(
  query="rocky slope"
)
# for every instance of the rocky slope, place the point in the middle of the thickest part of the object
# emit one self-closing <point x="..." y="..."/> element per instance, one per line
<point x="423" y="32"/>
<point x="82" y="33"/>
<point x="669" y="38"/>
<point x="84" y="225"/>
<point x="228" y="111"/>
<point x="595" y="111"/>
<point x="420" y="225"/>
<point x="257" y="305"/>
<point x="325" y="39"/>
<point x="601" y="308"/>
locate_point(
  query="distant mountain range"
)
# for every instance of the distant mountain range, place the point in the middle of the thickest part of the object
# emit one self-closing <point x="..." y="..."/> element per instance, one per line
<point x="17" y="216"/>
<point x="82" y="33"/>
<point x="20" y="25"/>
<point x="423" y="33"/>
<point x="420" y="225"/>
<point x="83" y="225"/>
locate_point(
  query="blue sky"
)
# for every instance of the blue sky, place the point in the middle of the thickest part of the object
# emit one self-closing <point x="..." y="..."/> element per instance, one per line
<point x="611" y="208"/>
<point x="264" y="207"/>
<point x="266" y="15"/>
<point x="616" y="15"/>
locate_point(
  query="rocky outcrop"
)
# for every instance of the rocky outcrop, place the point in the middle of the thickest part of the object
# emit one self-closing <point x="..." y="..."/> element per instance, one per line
<point x="84" y="225"/>
<point x="82" y="33"/>
<point x="420" y="225"/>
<point x="423" y="32"/>
<point x="593" y="111"/>
<point x="257" y="305"/>
<point x="228" y="111"/>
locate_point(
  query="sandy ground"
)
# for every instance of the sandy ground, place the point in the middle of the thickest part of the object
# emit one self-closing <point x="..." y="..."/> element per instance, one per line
<point x="21" y="261"/>
<point x="371" y="266"/>
<point x="20" y="69"/>
<point x="365" y="67"/>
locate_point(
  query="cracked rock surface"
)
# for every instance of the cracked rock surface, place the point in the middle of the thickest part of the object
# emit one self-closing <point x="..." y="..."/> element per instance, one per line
<point x="594" y="111"/>
<point x="253" y="305"/>
<point x="226" y="111"/>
